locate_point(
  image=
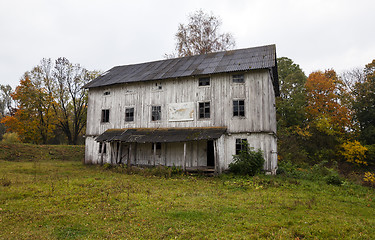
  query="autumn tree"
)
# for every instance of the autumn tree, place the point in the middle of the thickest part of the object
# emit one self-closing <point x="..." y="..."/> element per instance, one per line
<point x="201" y="35"/>
<point x="65" y="81"/>
<point x="328" y="116"/>
<point x="34" y="119"/>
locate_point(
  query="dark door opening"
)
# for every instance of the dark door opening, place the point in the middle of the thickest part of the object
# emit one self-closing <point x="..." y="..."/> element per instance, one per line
<point x="210" y="153"/>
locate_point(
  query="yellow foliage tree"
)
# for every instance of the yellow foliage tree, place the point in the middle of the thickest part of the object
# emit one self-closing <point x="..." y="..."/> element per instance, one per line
<point x="354" y="152"/>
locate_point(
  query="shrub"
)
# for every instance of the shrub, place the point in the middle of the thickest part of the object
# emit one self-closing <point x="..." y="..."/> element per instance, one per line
<point x="370" y="154"/>
<point x="354" y="152"/>
<point x="334" y="180"/>
<point x="248" y="162"/>
<point x="11" y="138"/>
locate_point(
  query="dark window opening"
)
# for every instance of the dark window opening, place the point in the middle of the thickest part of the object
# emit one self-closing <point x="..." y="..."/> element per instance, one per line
<point x="238" y="78"/>
<point x="240" y="145"/>
<point x="204" y="110"/>
<point x="238" y="108"/>
<point x="101" y="146"/>
<point x="107" y="93"/>
<point x="105" y="115"/>
<point x="129" y="114"/>
<point x="155" y="113"/>
<point x="157" y="147"/>
<point x="204" y="81"/>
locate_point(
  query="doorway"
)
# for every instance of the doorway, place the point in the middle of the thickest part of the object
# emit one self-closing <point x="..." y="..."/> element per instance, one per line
<point x="210" y="153"/>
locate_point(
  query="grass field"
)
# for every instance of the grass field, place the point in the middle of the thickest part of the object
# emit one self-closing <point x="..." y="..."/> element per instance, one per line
<point x="47" y="193"/>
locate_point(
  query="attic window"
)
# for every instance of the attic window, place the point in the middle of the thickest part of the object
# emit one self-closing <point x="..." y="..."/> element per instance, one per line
<point x="205" y="81"/>
<point x="107" y="93"/>
<point x="238" y="78"/>
<point x="157" y="86"/>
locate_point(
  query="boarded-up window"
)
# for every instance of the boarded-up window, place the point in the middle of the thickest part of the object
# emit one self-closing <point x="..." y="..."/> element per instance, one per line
<point x="155" y="113"/>
<point x="204" y="110"/>
<point x="238" y="108"/>
<point x="105" y="115"/>
<point x="205" y="81"/>
<point x="129" y="114"/>
<point x="238" y="78"/>
<point x="240" y="145"/>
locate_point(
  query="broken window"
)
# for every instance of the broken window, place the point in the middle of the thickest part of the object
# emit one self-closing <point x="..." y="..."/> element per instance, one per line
<point x="157" y="147"/>
<point x="155" y="113"/>
<point x="238" y="108"/>
<point x="204" y="110"/>
<point x="238" y="78"/>
<point x="205" y="81"/>
<point x="105" y="115"/>
<point x="129" y="114"/>
<point x="240" y="145"/>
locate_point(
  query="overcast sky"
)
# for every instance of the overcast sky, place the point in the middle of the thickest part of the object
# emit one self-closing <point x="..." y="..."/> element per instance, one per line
<point x="100" y="34"/>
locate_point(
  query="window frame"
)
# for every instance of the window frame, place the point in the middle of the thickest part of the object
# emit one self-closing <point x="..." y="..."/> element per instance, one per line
<point x="236" y="104"/>
<point x="105" y="116"/>
<point x="127" y="118"/>
<point x="157" y="110"/>
<point x="239" y="145"/>
<point x="204" y="81"/>
<point x="202" y="110"/>
<point x="238" y="78"/>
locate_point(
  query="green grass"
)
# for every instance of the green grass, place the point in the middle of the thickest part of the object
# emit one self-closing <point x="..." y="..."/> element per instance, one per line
<point x="59" y="198"/>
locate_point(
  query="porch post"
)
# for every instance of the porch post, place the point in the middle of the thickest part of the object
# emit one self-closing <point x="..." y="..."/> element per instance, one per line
<point x="154" y="153"/>
<point x="216" y="159"/>
<point x="130" y="154"/>
<point x="120" y="153"/>
<point x="184" y="166"/>
<point x="102" y="153"/>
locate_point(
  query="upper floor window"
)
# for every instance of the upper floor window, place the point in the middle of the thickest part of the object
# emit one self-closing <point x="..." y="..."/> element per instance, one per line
<point x="105" y="115"/>
<point x="205" y="81"/>
<point x="240" y="145"/>
<point x="155" y="113"/>
<point x="129" y="114"/>
<point x="238" y="108"/>
<point x="204" y="110"/>
<point x="106" y="93"/>
<point x="238" y="78"/>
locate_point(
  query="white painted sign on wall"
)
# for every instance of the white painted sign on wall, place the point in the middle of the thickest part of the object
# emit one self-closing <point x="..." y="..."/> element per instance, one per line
<point x="181" y="111"/>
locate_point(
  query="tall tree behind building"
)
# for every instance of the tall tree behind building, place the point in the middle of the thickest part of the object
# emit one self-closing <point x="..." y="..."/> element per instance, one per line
<point x="201" y="35"/>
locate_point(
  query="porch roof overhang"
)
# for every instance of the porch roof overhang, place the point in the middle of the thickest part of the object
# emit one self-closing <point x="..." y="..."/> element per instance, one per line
<point x="152" y="135"/>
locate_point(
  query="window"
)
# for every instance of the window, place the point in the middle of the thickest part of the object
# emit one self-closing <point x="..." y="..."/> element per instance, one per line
<point x="204" y="81"/>
<point x="204" y="110"/>
<point x="238" y="78"/>
<point x="107" y="93"/>
<point x="239" y="145"/>
<point x="157" y="148"/>
<point x="105" y="115"/>
<point x="238" y="108"/>
<point x="155" y="113"/>
<point x="157" y="86"/>
<point x="129" y="114"/>
<point x="101" y="146"/>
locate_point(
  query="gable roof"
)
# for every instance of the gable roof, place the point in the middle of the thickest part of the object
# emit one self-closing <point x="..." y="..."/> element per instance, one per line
<point x="263" y="57"/>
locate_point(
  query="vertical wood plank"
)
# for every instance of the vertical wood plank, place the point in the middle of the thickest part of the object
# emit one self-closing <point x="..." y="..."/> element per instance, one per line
<point x="184" y="163"/>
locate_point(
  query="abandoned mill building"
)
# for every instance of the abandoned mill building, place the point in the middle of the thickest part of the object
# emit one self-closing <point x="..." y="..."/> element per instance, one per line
<point x="190" y="112"/>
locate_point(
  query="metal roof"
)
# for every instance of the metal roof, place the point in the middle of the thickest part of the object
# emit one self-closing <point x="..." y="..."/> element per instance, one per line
<point x="263" y="57"/>
<point x="152" y="135"/>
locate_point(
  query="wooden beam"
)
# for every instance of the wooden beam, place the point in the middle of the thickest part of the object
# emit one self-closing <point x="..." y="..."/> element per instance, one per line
<point x="184" y="166"/>
<point x="120" y="154"/>
<point x="102" y="153"/>
<point x="130" y="154"/>
<point x="154" y="153"/>
<point x="216" y="159"/>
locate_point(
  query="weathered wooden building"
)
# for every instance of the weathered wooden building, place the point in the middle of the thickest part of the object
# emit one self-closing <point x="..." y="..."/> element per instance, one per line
<point x="189" y="112"/>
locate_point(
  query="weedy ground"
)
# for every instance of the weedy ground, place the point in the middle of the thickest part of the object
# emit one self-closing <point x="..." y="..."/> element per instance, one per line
<point x="50" y="194"/>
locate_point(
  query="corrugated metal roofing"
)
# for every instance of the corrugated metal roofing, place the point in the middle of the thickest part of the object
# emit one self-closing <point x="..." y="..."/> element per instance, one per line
<point x="152" y="135"/>
<point x="263" y="57"/>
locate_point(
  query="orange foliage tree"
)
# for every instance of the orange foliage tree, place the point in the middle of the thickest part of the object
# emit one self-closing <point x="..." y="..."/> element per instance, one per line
<point x="34" y="119"/>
